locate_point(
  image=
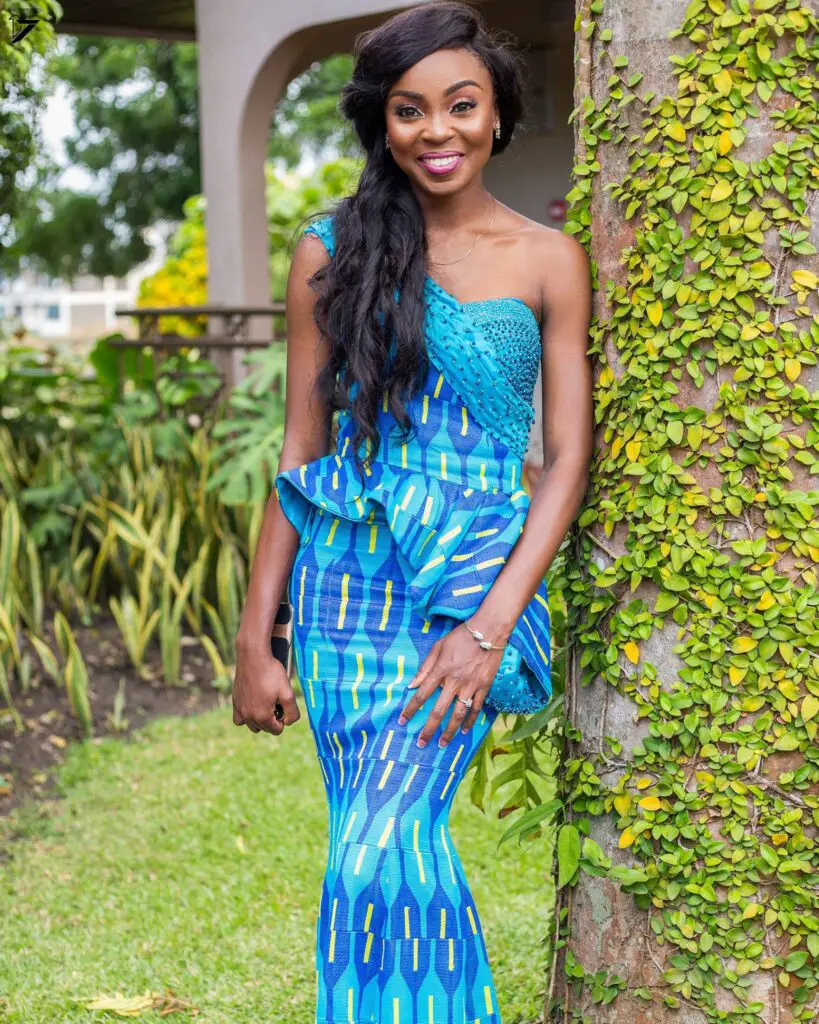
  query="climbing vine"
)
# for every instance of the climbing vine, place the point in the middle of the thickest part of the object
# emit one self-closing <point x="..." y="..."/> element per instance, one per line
<point x="695" y="593"/>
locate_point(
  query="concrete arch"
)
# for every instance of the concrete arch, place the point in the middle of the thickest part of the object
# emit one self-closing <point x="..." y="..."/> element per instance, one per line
<point x="237" y="97"/>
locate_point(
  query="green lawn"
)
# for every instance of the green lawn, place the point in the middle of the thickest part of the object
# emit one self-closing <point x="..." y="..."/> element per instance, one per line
<point x="190" y="857"/>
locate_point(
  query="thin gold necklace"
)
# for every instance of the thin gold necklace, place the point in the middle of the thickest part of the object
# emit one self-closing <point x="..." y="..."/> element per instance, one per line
<point x="449" y="263"/>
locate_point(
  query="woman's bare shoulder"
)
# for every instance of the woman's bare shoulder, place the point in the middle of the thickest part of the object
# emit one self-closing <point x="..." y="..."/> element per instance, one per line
<point x="559" y="260"/>
<point x="543" y="241"/>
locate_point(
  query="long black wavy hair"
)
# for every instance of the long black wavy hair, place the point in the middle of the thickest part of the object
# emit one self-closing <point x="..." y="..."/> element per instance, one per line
<point x="379" y="230"/>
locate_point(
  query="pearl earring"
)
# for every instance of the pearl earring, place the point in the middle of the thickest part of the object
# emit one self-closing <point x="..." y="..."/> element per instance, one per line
<point x="386" y="141"/>
<point x="497" y="129"/>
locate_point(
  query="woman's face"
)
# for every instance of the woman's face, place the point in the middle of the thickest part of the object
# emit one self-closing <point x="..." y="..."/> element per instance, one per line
<point x="440" y="118"/>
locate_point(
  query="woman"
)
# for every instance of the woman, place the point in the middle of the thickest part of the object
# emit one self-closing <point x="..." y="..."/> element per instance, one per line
<point x="411" y="554"/>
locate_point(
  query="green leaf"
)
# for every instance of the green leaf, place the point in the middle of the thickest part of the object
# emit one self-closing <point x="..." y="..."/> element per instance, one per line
<point x="796" y="960"/>
<point x="675" y="431"/>
<point x="568" y="854"/>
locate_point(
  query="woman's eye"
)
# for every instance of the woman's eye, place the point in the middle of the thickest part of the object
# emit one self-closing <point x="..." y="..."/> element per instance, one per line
<point x="406" y="110"/>
<point x="465" y="105"/>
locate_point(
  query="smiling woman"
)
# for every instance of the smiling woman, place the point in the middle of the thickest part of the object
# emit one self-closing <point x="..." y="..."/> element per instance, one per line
<point x="418" y="131"/>
<point x="411" y="554"/>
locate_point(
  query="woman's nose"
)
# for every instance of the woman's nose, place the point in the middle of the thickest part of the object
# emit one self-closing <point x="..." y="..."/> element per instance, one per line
<point x="437" y="127"/>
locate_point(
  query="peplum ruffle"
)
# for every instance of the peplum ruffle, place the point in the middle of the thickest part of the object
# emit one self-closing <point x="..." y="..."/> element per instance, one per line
<point x="455" y="540"/>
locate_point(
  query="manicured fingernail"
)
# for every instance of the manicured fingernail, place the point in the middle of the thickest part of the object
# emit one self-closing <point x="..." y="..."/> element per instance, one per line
<point x="441" y="743"/>
<point x="412" y="685"/>
<point x="465" y="729"/>
<point x="421" y="743"/>
<point x="402" y="720"/>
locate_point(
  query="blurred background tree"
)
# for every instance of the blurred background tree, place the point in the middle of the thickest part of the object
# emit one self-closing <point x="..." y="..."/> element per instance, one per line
<point x="307" y="122"/>
<point x="22" y="99"/>
<point x="136" y="135"/>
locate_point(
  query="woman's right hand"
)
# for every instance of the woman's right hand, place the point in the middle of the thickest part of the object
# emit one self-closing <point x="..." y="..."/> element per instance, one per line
<point x="259" y="684"/>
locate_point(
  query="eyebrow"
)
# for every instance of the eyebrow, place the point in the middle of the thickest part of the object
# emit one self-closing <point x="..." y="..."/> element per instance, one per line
<point x="452" y="88"/>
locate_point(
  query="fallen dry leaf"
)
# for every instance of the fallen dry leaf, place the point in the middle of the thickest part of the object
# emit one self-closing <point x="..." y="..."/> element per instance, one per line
<point x="132" y="1006"/>
<point x="124" y="1006"/>
<point x="57" y="741"/>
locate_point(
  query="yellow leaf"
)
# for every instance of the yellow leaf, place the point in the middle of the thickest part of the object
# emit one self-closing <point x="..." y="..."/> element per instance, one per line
<point x="743" y="644"/>
<point x="754" y="220"/>
<point x="810" y="708"/>
<point x="633" y="450"/>
<point x="124" y="1006"/>
<point x="650" y="803"/>
<point x="725" y="143"/>
<point x="626" y="839"/>
<point x="766" y="601"/>
<point x="805" y="279"/>
<point x="655" y="312"/>
<point x="792" y="369"/>
<point x="644" y="781"/>
<point x="751" y="911"/>
<point x="616" y="445"/>
<point x="736" y="675"/>
<point x="676" y="131"/>
<point x="723" y="82"/>
<point x="721" y="191"/>
<point x="759" y="269"/>
<point x="622" y="802"/>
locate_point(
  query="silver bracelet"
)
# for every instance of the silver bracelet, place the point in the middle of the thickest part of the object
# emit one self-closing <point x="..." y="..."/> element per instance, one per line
<point x="487" y="646"/>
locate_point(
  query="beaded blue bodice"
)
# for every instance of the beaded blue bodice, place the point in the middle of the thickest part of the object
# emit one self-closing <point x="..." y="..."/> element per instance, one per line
<point x="508" y="323"/>
<point x="513" y="331"/>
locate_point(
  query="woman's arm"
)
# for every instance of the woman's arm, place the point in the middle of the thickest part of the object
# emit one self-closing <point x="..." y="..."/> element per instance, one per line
<point x="260" y="681"/>
<point x="568" y="437"/>
<point x="568" y="433"/>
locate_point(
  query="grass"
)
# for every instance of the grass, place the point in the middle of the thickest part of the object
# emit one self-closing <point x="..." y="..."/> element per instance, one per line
<point x="190" y="857"/>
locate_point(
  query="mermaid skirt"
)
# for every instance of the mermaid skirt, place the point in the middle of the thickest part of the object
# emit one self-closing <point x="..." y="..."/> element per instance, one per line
<point x="398" y="936"/>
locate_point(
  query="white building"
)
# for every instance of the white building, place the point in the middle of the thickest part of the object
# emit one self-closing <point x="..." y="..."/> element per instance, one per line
<point x="78" y="311"/>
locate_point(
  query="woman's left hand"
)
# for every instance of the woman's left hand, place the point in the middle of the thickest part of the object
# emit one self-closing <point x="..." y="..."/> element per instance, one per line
<point x="458" y="664"/>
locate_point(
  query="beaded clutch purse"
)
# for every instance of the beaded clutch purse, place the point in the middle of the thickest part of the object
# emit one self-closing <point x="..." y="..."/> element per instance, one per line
<point x="281" y="645"/>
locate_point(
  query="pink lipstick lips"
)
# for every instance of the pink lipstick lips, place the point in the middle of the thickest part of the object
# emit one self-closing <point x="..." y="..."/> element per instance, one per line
<point x="441" y="163"/>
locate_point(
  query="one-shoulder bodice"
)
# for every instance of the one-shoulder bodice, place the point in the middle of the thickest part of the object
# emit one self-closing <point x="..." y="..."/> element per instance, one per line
<point x="508" y="323"/>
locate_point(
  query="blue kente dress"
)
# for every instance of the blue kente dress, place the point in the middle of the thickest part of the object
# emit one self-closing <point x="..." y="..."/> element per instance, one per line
<point x="386" y="565"/>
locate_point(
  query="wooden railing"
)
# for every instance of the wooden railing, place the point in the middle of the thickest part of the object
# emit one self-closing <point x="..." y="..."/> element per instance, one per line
<point x="233" y="336"/>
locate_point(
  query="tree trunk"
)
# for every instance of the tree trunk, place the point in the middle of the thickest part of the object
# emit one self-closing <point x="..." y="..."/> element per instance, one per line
<point x="694" y="676"/>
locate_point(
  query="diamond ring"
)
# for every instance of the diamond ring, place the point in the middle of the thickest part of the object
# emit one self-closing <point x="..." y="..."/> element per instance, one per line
<point x="466" y="700"/>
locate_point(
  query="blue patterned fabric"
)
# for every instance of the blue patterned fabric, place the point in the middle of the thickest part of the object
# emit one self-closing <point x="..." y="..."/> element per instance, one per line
<point x="398" y="936"/>
<point x="386" y="564"/>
